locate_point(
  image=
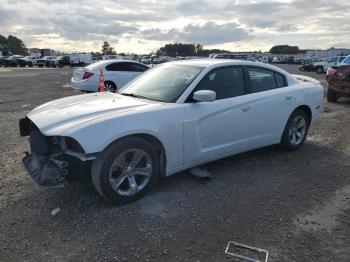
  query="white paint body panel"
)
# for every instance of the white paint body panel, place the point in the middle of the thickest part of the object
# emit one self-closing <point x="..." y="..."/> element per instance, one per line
<point x="191" y="133"/>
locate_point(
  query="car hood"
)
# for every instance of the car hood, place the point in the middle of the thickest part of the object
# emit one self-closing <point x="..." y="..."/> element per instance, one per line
<point x="56" y="117"/>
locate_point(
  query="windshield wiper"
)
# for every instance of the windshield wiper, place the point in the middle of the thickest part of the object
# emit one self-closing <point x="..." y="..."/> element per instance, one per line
<point x="133" y="95"/>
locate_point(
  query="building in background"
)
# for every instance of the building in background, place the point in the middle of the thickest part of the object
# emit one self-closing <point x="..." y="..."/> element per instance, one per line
<point x="328" y="53"/>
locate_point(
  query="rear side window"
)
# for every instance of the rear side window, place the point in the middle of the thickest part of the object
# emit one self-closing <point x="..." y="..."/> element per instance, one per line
<point x="116" y="67"/>
<point x="262" y="80"/>
<point x="226" y="82"/>
<point x="126" y="67"/>
<point x="137" y="67"/>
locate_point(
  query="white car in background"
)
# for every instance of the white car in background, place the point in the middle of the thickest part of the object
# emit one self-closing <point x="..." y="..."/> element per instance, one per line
<point x="117" y="73"/>
<point x="174" y="117"/>
<point x="322" y="67"/>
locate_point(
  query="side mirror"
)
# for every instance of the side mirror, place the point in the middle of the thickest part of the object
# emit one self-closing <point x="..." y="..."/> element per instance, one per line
<point x="204" y="96"/>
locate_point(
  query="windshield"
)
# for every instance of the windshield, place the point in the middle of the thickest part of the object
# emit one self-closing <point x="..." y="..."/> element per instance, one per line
<point x="347" y="60"/>
<point x="165" y="83"/>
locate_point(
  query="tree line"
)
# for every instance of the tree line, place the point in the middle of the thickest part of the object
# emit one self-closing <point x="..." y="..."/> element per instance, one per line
<point x="17" y="46"/>
<point x="13" y="44"/>
<point x="180" y="49"/>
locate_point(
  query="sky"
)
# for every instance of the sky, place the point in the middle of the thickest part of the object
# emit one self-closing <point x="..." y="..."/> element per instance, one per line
<point x="140" y="26"/>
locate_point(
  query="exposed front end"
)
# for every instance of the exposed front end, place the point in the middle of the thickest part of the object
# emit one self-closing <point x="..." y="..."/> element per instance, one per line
<point x="51" y="160"/>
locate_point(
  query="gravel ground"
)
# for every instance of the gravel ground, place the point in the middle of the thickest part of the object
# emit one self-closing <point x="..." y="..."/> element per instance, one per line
<point x="296" y="205"/>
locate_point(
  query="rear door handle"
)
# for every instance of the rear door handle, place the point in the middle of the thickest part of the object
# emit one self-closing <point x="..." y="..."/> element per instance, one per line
<point x="289" y="97"/>
<point x="246" y="108"/>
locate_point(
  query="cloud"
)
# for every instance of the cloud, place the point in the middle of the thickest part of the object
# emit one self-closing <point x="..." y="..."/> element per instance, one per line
<point x="208" y="34"/>
<point x="238" y="24"/>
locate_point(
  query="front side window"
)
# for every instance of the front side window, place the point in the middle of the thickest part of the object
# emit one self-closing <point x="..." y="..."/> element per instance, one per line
<point x="163" y="83"/>
<point x="262" y="80"/>
<point x="225" y="82"/>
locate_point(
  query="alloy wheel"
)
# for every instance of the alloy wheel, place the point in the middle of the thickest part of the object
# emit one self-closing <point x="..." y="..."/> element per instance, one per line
<point x="297" y="130"/>
<point x="110" y="87"/>
<point x="130" y="172"/>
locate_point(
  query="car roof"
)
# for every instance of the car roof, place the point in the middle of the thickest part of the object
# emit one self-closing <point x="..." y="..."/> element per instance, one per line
<point x="109" y="61"/>
<point x="212" y="63"/>
<point x="218" y="62"/>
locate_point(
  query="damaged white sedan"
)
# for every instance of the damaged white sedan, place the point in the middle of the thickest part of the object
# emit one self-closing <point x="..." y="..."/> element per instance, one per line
<point x="173" y="117"/>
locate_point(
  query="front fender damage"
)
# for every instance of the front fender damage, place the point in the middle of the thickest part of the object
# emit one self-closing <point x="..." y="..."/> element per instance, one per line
<point x="46" y="171"/>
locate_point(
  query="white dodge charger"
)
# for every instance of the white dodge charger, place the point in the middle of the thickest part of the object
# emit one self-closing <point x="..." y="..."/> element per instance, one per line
<point x="173" y="117"/>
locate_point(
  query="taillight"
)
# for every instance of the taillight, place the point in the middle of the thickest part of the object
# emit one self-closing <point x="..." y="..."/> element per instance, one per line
<point x="87" y="75"/>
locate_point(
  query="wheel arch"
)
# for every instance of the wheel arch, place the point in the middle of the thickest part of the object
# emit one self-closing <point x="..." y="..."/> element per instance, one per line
<point x="158" y="145"/>
<point x="111" y="82"/>
<point x="307" y="110"/>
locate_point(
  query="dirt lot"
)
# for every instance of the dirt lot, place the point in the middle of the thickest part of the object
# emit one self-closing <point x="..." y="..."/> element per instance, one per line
<point x="294" y="204"/>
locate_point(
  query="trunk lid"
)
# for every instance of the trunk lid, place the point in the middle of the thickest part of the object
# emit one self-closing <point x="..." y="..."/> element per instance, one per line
<point x="78" y="74"/>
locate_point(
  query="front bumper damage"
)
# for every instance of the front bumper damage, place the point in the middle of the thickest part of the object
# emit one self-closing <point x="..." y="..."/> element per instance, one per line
<point x="52" y="160"/>
<point x="46" y="171"/>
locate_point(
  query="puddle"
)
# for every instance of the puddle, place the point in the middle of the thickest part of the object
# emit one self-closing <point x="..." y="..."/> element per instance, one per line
<point x="324" y="217"/>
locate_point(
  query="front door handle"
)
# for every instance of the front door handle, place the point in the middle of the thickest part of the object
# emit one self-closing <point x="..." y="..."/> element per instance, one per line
<point x="289" y="97"/>
<point x="246" y="108"/>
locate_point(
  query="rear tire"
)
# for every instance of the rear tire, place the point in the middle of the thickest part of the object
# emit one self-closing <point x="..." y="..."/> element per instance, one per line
<point x="331" y="95"/>
<point x="113" y="169"/>
<point x="111" y="86"/>
<point x="295" y="131"/>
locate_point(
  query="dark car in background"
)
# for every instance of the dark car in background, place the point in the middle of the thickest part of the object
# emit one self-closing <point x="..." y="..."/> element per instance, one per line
<point x="338" y="82"/>
<point x="27" y="61"/>
<point x="11" y="61"/>
<point x="307" y="68"/>
<point x="60" y="61"/>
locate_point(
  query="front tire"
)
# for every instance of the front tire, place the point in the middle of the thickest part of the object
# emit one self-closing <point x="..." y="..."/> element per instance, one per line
<point x="295" y="131"/>
<point x="126" y="170"/>
<point x="331" y="95"/>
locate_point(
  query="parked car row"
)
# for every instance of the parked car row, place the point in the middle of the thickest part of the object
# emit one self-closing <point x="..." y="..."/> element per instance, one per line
<point x="47" y="61"/>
